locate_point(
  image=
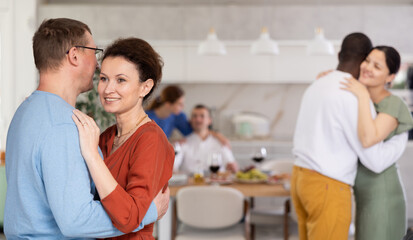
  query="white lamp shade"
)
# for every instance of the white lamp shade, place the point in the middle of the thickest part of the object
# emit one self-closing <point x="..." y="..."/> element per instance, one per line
<point x="320" y="45"/>
<point x="265" y="45"/>
<point x="212" y="45"/>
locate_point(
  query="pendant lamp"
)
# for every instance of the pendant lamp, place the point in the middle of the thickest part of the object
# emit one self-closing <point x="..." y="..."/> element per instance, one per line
<point x="320" y="45"/>
<point x="265" y="45"/>
<point x="212" y="45"/>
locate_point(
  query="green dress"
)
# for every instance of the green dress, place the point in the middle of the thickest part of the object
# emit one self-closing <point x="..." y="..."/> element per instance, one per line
<point x="380" y="201"/>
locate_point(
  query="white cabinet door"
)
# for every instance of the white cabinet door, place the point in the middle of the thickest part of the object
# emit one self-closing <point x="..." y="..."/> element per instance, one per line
<point x="184" y="64"/>
<point x="293" y="65"/>
<point x="174" y="58"/>
<point x="237" y="66"/>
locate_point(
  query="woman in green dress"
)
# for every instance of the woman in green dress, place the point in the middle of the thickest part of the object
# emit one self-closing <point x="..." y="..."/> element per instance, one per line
<point x="380" y="200"/>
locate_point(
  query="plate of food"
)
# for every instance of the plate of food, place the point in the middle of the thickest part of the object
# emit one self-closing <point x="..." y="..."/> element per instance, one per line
<point x="279" y="178"/>
<point x="219" y="181"/>
<point x="251" y="176"/>
<point x="250" y="181"/>
<point x="220" y="178"/>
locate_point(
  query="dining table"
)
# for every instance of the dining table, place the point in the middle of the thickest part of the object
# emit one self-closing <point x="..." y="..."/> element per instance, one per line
<point x="250" y="189"/>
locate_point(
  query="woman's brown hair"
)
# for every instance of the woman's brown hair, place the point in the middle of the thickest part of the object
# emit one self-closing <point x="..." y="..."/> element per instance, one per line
<point x="168" y="95"/>
<point x="139" y="52"/>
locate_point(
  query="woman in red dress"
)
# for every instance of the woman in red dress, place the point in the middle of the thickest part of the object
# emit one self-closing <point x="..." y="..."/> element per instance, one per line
<point x="138" y="158"/>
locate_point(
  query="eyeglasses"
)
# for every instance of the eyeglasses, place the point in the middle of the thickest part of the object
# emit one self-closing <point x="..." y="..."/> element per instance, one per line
<point x="97" y="50"/>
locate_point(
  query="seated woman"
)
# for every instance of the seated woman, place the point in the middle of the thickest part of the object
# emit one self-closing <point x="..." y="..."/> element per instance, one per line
<point x="166" y="111"/>
<point x="381" y="207"/>
<point x="138" y="159"/>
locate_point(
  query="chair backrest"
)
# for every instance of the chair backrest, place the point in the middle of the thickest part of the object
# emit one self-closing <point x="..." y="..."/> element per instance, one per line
<point x="278" y="166"/>
<point x="209" y="207"/>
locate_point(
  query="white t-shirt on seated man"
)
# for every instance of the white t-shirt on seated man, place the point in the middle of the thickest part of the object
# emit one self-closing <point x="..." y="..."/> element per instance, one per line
<point x="199" y="147"/>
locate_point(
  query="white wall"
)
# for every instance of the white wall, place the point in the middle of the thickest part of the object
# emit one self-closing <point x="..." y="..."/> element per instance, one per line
<point x="385" y="24"/>
<point x="6" y="56"/>
<point x="277" y="102"/>
<point x="17" y="71"/>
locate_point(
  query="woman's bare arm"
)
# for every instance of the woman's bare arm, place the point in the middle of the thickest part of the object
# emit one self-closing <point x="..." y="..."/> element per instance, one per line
<point x="370" y="131"/>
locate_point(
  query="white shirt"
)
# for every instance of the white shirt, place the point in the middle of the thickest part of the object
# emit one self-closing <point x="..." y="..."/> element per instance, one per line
<point x="195" y="153"/>
<point x="326" y="139"/>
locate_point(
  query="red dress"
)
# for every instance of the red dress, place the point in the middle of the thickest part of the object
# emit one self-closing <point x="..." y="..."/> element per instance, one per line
<point x="142" y="166"/>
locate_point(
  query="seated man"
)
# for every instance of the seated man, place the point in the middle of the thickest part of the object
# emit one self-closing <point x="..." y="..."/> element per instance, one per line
<point x="200" y="145"/>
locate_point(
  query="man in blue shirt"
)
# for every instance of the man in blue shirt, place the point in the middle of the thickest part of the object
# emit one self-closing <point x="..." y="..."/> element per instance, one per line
<point x="50" y="192"/>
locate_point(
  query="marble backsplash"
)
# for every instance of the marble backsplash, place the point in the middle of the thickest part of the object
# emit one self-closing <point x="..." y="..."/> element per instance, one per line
<point x="278" y="102"/>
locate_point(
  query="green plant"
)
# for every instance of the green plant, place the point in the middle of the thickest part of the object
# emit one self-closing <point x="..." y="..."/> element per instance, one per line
<point x="89" y="103"/>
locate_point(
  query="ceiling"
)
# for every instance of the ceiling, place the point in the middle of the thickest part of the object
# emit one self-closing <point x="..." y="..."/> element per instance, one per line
<point x="234" y="2"/>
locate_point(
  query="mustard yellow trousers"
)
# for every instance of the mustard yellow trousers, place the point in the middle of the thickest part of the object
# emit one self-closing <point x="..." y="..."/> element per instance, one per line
<point x="322" y="204"/>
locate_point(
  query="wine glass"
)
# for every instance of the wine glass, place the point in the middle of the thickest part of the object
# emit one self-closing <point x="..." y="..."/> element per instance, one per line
<point x="259" y="155"/>
<point x="215" y="160"/>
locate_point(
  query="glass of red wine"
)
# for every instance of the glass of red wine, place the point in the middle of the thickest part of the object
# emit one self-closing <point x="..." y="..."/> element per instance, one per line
<point x="215" y="160"/>
<point x="259" y="155"/>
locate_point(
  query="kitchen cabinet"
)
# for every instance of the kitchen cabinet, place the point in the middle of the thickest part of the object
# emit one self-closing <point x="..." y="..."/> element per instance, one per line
<point x="292" y="65"/>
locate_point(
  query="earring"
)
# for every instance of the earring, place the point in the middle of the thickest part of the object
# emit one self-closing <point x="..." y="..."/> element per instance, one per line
<point x="389" y="84"/>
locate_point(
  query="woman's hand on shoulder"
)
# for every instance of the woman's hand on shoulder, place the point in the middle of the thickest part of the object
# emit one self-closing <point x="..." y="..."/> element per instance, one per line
<point x="88" y="134"/>
<point x="322" y="74"/>
<point x="352" y="85"/>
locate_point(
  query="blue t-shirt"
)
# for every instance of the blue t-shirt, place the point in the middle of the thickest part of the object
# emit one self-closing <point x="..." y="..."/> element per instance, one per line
<point x="170" y="123"/>
<point x="50" y="192"/>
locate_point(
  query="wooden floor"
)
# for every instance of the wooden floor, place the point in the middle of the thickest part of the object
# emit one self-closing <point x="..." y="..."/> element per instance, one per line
<point x="263" y="233"/>
<point x="267" y="232"/>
